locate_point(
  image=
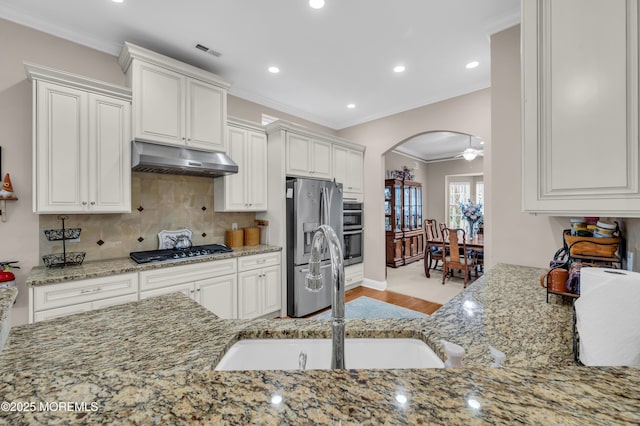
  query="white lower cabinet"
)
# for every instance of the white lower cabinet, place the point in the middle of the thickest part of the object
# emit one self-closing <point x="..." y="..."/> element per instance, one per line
<point x="219" y="295"/>
<point x="353" y="275"/>
<point x="244" y="287"/>
<point x="56" y="300"/>
<point x="212" y="284"/>
<point x="259" y="287"/>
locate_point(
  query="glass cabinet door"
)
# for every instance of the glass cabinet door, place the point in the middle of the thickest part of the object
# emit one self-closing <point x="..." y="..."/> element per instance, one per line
<point x="419" y="206"/>
<point x="398" y="207"/>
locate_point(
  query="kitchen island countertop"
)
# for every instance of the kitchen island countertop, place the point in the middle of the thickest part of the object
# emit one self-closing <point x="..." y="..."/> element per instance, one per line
<point x="151" y="362"/>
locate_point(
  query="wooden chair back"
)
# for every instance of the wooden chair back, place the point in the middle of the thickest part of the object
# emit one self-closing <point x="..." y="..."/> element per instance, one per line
<point x="431" y="229"/>
<point x="459" y="257"/>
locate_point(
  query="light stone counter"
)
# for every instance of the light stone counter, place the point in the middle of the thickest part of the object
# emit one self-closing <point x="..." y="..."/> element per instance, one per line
<point x="7" y="297"/>
<point x="150" y="362"/>
<point x="41" y="275"/>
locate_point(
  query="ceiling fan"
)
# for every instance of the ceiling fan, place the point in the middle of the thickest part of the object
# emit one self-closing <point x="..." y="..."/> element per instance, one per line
<point x="470" y="153"/>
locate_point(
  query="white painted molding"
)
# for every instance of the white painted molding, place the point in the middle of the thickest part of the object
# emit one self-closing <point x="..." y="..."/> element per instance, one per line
<point x="131" y="51"/>
<point x="376" y="285"/>
<point x="40" y="72"/>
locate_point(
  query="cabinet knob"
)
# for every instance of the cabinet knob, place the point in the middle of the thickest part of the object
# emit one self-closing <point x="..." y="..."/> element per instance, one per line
<point x="93" y="203"/>
<point x="84" y="203"/>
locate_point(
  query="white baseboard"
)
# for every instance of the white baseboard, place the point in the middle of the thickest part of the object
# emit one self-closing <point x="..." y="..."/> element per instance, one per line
<point x="376" y="285"/>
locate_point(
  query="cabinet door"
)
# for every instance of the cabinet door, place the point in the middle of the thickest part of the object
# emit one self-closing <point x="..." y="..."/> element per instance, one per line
<point x="158" y="104"/>
<point x="219" y="295"/>
<point x="249" y="295"/>
<point x="356" y="171"/>
<point x="580" y="107"/>
<point x="109" y="155"/>
<point x="270" y="282"/>
<point x="234" y="195"/>
<point x="257" y="169"/>
<point x="206" y="112"/>
<point x="298" y="155"/>
<point x="321" y="160"/>
<point x="348" y="169"/>
<point x="60" y="160"/>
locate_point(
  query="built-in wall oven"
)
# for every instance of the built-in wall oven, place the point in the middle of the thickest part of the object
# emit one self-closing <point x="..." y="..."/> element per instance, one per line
<point x="352" y="229"/>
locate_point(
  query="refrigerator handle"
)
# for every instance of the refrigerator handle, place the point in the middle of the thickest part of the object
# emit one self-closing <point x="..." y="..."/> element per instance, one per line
<point x="324" y="215"/>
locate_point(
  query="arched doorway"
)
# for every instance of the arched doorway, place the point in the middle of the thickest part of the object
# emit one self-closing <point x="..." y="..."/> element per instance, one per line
<point x="427" y="160"/>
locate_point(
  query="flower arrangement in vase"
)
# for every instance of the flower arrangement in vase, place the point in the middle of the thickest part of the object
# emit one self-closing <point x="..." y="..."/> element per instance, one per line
<point x="472" y="213"/>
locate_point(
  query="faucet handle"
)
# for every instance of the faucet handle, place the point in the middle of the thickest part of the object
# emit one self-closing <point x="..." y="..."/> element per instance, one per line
<point x="313" y="281"/>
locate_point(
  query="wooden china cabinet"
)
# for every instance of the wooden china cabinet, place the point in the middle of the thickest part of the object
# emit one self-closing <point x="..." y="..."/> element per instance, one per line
<point x="403" y="222"/>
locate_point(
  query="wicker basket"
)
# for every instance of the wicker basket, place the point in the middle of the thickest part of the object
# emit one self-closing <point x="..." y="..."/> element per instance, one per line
<point x="590" y="246"/>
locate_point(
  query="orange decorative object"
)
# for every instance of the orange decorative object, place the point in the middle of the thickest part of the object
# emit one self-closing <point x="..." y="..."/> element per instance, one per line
<point x="6" y="193"/>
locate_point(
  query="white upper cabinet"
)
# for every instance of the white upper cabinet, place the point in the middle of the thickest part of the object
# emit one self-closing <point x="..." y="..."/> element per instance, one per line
<point x="580" y="107"/>
<point x="348" y="169"/>
<point x="308" y="157"/>
<point x="247" y="189"/>
<point x="175" y="103"/>
<point x="81" y="144"/>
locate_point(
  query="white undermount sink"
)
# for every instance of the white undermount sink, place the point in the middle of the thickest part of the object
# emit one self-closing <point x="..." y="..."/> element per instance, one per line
<point x="288" y="354"/>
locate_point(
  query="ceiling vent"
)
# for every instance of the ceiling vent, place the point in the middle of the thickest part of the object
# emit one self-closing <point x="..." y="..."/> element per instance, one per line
<point x="207" y="50"/>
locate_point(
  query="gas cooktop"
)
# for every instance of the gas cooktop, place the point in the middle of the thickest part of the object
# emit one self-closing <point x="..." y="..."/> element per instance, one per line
<point x="177" y="254"/>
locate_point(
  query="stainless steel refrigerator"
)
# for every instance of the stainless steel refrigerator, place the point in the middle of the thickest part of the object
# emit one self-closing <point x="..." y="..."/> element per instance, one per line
<point x="310" y="203"/>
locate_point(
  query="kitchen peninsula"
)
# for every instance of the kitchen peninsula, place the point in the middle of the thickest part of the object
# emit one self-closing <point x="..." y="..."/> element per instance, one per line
<point x="152" y="362"/>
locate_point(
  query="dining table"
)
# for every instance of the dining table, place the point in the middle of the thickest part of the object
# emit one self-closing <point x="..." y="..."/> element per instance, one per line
<point x="475" y="243"/>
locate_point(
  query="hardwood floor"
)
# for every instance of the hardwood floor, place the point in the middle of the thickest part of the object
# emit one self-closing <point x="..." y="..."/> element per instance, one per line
<point x="398" y="299"/>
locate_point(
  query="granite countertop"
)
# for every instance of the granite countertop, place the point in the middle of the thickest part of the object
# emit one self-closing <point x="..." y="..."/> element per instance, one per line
<point x="7" y="297"/>
<point x="41" y="275"/>
<point x="152" y="362"/>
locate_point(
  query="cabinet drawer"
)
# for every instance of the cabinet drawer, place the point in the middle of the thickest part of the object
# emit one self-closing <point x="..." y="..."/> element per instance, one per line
<point x="174" y="275"/>
<point x="187" y="289"/>
<point x="247" y="263"/>
<point x="81" y="291"/>
<point x="84" y="307"/>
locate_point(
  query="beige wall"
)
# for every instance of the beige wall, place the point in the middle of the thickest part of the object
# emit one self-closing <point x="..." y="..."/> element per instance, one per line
<point x="469" y="114"/>
<point x="252" y="111"/>
<point x="538" y="236"/>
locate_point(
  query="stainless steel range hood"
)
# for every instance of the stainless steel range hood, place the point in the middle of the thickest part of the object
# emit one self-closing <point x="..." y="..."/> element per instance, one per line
<point x="155" y="158"/>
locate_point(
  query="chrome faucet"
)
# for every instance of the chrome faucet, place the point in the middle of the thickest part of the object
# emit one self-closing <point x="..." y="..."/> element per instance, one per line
<point x="314" y="282"/>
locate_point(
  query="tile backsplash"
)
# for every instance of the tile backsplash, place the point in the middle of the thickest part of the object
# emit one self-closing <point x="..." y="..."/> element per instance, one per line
<point x="158" y="202"/>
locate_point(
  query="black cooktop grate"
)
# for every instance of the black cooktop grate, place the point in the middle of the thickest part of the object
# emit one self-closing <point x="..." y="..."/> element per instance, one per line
<point x="176" y="254"/>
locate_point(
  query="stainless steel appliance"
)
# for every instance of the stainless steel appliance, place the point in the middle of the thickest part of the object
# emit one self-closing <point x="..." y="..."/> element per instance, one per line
<point x="155" y="158"/>
<point x="177" y="254"/>
<point x="310" y="203"/>
<point x="353" y="225"/>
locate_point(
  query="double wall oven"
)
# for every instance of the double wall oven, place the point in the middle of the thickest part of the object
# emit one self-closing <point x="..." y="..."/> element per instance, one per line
<point x="352" y="230"/>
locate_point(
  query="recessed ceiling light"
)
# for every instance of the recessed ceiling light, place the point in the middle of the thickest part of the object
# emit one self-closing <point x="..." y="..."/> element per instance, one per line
<point x="274" y="70"/>
<point x="472" y="64"/>
<point x="351" y="106"/>
<point x="117" y="1"/>
<point x="399" y="68"/>
<point x="316" y="4"/>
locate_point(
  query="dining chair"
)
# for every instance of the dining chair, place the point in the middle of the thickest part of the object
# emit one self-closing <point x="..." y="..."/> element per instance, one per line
<point x="433" y="251"/>
<point x="459" y="257"/>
